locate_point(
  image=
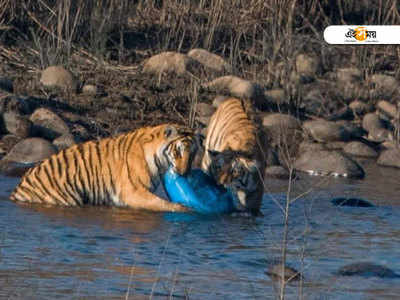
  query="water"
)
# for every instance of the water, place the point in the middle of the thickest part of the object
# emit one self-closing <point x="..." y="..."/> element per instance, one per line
<point x="106" y="253"/>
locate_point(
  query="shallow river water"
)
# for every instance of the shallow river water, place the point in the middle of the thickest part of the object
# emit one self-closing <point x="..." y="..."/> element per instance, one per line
<point x="106" y="253"/>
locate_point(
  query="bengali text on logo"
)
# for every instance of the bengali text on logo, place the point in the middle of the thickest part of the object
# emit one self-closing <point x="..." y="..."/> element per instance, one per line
<point x="362" y="34"/>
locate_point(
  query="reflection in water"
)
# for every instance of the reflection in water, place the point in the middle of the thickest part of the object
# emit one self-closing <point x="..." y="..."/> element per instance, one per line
<point x="112" y="253"/>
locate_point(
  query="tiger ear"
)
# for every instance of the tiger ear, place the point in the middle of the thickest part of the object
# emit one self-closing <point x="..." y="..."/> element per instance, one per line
<point x="170" y="131"/>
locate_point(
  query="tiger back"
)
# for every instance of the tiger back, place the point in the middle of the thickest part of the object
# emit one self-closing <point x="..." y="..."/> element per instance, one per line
<point x="233" y="153"/>
<point x="120" y="171"/>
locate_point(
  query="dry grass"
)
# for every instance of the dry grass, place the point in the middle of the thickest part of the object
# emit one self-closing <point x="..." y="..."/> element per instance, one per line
<point x="260" y="40"/>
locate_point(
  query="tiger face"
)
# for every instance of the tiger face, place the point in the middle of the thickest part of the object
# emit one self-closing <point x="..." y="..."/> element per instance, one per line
<point x="237" y="173"/>
<point x="180" y="154"/>
<point x="178" y="150"/>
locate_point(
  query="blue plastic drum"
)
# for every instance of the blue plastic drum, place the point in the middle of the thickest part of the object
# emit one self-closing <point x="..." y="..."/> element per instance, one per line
<point x="198" y="192"/>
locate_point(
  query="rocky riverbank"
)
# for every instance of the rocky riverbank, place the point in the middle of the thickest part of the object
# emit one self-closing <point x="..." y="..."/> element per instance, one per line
<point x="340" y="114"/>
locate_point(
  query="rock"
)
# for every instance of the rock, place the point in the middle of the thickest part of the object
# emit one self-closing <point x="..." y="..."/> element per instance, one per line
<point x="348" y="75"/>
<point x="372" y="121"/>
<point x="20" y="105"/>
<point x="170" y="63"/>
<point x="385" y="84"/>
<point x="14" y="169"/>
<point x="90" y="89"/>
<point x="59" y="77"/>
<point x="388" y="108"/>
<point x="328" y="163"/>
<point x="367" y="269"/>
<point x="64" y="141"/>
<point x="387" y="145"/>
<point x="7" y="142"/>
<point x="306" y="65"/>
<point x="234" y="86"/>
<point x="380" y="135"/>
<point x="31" y="150"/>
<point x="345" y="113"/>
<point x="204" y="109"/>
<point x="360" y="149"/>
<point x="277" y="96"/>
<point x="17" y="125"/>
<point x="338" y="145"/>
<point x="390" y="158"/>
<point x="351" y="90"/>
<point x="289" y="274"/>
<point x="282" y="129"/>
<point x="278" y="172"/>
<point x="203" y="120"/>
<point x="281" y="121"/>
<point x="47" y="124"/>
<point x="359" y="108"/>
<point x="355" y="130"/>
<point x="204" y="112"/>
<point x="307" y="146"/>
<point x="6" y="84"/>
<point x="352" y="202"/>
<point x="218" y="100"/>
<point x="326" y="131"/>
<point x="210" y="60"/>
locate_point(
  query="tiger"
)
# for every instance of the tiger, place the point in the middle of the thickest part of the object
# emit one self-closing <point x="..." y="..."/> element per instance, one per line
<point x="233" y="153"/>
<point x="117" y="171"/>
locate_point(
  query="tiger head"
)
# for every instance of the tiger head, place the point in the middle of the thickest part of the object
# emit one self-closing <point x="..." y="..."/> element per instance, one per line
<point x="238" y="173"/>
<point x="179" y="148"/>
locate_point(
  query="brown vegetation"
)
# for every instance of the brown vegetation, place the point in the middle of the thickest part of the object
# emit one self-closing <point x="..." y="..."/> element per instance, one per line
<point x="106" y="42"/>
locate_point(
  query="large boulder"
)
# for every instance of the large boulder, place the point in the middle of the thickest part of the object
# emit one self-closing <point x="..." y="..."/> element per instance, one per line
<point x="357" y="148"/>
<point x="282" y="129"/>
<point x="326" y="131"/>
<point x="328" y="163"/>
<point x="387" y="108"/>
<point x="17" y="124"/>
<point x="31" y="150"/>
<point x="385" y="85"/>
<point x="58" y="77"/>
<point x="372" y="121"/>
<point x="48" y="125"/>
<point x="210" y="60"/>
<point x="234" y="86"/>
<point x="7" y="142"/>
<point x="170" y="63"/>
<point x="281" y="122"/>
<point x="390" y="158"/>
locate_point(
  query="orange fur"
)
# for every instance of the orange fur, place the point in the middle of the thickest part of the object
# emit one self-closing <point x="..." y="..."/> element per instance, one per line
<point x="121" y="171"/>
<point x="233" y="153"/>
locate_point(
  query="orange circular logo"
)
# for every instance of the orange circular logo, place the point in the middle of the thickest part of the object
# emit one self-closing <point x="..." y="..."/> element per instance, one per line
<point x="360" y="33"/>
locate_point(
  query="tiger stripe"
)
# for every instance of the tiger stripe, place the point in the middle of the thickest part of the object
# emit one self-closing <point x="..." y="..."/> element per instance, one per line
<point x="233" y="153"/>
<point x="121" y="170"/>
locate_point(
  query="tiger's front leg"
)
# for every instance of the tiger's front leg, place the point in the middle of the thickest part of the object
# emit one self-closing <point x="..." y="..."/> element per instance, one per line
<point x="144" y="199"/>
